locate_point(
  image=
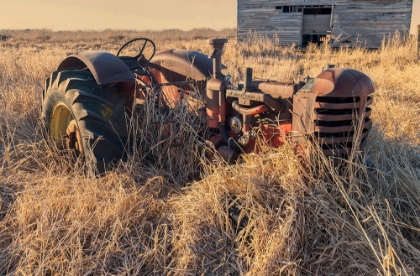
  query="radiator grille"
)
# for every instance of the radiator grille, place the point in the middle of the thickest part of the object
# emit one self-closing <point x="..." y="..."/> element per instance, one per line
<point x="334" y="111"/>
<point x="342" y="123"/>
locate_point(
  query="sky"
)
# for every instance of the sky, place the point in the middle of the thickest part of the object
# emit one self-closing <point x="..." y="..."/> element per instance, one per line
<point x="126" y="14"/>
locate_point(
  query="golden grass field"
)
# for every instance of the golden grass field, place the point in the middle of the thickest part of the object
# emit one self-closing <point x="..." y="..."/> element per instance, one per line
<point x="164" y="212"/>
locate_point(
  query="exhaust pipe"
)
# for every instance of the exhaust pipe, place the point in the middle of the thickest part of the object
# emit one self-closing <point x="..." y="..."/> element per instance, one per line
<point x="216" y="94"/>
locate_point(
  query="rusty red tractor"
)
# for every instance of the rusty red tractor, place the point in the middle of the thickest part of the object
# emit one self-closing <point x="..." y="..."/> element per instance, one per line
<point x="87" y="100"/>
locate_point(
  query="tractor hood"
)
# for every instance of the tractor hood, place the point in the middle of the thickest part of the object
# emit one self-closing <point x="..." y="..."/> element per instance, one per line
<point x="191" y="64"/>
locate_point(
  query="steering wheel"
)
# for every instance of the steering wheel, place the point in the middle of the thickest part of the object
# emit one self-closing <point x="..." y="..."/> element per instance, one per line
<point x="145" y="42"/>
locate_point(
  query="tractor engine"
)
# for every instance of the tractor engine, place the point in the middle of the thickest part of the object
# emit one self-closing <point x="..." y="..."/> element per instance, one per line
<point x="331" y="110"/>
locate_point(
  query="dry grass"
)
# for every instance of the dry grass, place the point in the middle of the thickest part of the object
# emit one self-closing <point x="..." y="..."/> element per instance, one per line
<point x="166" y="212"/>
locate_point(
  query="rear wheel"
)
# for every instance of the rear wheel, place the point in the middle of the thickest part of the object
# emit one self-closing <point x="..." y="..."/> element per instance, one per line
<point x="86" y="119"/>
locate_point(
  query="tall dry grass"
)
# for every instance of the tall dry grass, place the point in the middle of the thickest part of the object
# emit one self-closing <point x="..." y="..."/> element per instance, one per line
<point x="165" y="211"/>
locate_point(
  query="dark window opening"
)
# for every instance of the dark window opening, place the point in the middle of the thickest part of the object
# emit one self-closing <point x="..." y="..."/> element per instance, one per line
<point x="317" y="39"/>
<point x="317" y="10"/>
<point x="289" y="9"/>
<point x="310" y="9"/>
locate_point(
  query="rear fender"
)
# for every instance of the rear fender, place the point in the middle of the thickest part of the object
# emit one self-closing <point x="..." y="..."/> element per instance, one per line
<point x="105" y="67"/>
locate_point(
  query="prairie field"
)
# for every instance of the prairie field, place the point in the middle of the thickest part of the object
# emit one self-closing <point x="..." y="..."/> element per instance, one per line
<point x="165" y="211"/>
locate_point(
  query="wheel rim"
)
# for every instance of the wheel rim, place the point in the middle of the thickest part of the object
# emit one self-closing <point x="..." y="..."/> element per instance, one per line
<point x="64" y="130"/>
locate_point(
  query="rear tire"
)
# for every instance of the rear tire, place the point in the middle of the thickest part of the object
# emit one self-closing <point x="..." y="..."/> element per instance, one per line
<point x="85" y="117"/>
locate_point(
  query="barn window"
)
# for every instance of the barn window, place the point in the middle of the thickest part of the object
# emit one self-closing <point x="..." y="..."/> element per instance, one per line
<point x="320" y="10"/>
<point x="289" y="9"/>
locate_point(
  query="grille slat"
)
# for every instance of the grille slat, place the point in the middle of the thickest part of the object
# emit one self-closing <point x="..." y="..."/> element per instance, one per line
<point x="324" y="129"/>
<point x="341" y="139"/>
<point x="336" y="105"/>
<point x="337" y="100"/>
<point x="324" y="115"/>
<point x="340" y="126"/>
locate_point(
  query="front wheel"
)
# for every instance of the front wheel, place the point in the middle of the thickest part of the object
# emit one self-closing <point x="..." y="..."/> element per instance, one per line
<point x="87" y="119"/>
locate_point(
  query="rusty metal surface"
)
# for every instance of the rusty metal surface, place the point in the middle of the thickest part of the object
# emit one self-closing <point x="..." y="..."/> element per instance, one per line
<point x="249" y="111"/>
<point x="333" y="118"/>
<point x="171" y="91"/>
<point x="341" y="140"/>
<point x="251" y="98"/>
<point x="338" y="82"/>
<point x="212" y="144"/>
<point x="213" y="105"/>
<point x="350" y="127"/>
<point x="191" y="64"/>
<point x="216" y="140"/>
<point x="334" y="107"/>
<point x="341" y="113"/>
<point x="345" y="90"/>
<point x="105" y="67"/>
<point x="228" y="154"/>
<point x="74" y="138"/>
<point x="282" y="90"/>
<point x="218" y="45"/>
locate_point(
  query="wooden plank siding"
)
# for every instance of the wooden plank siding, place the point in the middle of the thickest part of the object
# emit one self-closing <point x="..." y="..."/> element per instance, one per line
<point x="364" y="21"/>
<point x="316" y="24"/>
<point x="368" y="23"/>
<point x="286" y="27"/>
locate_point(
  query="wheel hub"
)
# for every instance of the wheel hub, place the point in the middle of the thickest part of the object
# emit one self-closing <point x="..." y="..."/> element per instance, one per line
<point x="64" y="130"/>
<point x="73" y="139"/>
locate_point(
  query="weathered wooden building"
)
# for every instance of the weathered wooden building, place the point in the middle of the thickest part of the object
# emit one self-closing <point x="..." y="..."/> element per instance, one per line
<point x="348" y="22"/>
